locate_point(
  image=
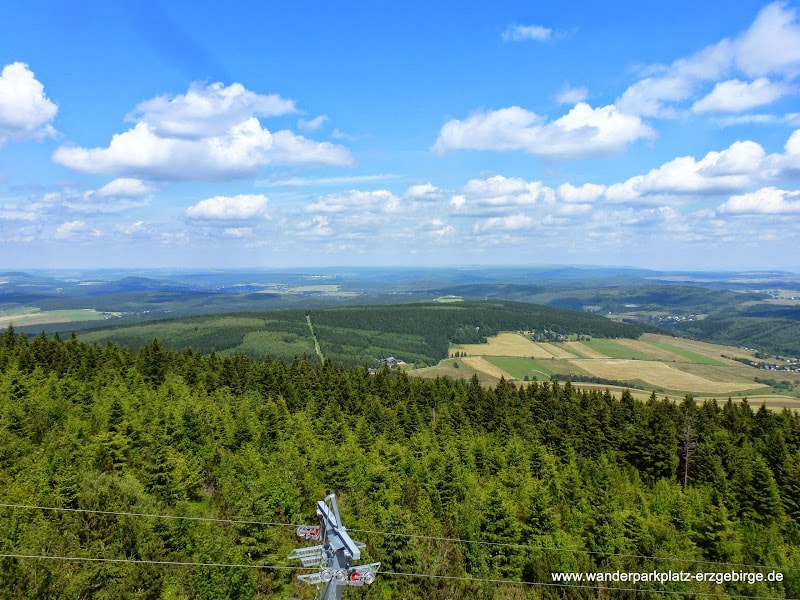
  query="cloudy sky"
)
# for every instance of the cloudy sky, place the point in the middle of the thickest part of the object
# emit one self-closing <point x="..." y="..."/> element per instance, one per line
<point x="267" y="134"/>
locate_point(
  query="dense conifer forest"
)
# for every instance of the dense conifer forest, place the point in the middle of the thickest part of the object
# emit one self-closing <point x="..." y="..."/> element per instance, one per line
<point x="519" y="481"/>
<point x="420" y="332"/>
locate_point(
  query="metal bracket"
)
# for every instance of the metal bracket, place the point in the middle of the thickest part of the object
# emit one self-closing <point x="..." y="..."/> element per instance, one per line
<point x="335" y="555"/>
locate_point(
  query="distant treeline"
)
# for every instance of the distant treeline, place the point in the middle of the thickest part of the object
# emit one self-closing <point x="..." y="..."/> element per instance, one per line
<point x="422" y="332"/>
<point x="675" y="298"/>
<point x="775" y="335"/>
<point x="548" y="478"/>
<point x="358" y="335"/>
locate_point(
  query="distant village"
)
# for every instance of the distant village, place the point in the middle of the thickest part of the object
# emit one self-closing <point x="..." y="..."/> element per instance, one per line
<point x="788" y="364"/>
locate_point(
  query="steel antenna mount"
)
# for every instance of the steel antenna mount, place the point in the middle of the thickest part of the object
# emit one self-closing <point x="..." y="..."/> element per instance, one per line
<point x="334" y="556"/>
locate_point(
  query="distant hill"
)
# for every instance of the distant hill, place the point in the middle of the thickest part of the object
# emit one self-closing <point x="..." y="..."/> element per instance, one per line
<point x="355" y="335"/>
<point x="706" y="305"/>
<point x="772" y="335"/>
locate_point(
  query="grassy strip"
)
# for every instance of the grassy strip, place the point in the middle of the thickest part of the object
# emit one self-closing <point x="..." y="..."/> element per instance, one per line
<point x="53" y="316"/>
<point x="692" y="356"/>
<point x="614" y="350"/>
<point x="522" y="367"/>
<point x="21" y="310"/>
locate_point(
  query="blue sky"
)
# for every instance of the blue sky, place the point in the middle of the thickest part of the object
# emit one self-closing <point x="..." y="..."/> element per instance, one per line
<point x="265" y="134"/>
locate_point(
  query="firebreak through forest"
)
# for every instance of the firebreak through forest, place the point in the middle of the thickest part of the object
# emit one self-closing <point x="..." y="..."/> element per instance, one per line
<point x="530" y="480"/>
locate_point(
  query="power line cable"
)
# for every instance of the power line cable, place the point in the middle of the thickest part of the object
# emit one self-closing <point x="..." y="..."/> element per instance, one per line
<point x="406" y="535"/>
<point x="573" y="550"/>
<point x="142" y="561"/>
<point x="149" y="515"/>
<point x="389" y="573"/>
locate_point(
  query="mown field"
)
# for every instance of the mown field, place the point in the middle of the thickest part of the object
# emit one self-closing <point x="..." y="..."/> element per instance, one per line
<point x="654" y="362"/>
<point x="29" y="315"/>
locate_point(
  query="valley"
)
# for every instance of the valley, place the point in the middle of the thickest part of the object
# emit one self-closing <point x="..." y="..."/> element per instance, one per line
<point x="709" y="335"/>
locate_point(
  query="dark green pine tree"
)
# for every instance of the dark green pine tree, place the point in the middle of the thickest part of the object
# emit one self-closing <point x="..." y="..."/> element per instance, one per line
<point x="756" y="491"/>
<point x="499" y="525"/>
<point x="538" y="515"/>
<point x="766" y="498"/>
<point x="158" y="473"/>
<point x="152" y="362"/>
<point x="716" y="535"/>
<point x="651" y="445"/>
<point x="790" y="489"/>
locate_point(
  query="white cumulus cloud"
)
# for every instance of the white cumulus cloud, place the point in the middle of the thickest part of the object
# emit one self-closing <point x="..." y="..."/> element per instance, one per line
<point x="458" y="201"/>
<point x="588" y="192"/>
<point x="732" y="169"/>
<point x="647" y="97"/>
<point x="770" y="46"/>
<point x="317" y="227"/>
<point x="769" y="200"/>
<point x="507" y="223"/>
<point x="772" y="43"/>
<point x="15" y="212"/>
<point x="207" y="110"/>
<point x="439" y="229"/>
<point x="183" y="138"/>
<point x="25" y="112"/>
<point x="356" y="202"/>
<point x="738" y="96"/>
<point x="136" y="229"/>
<point x="424" y="191"/>
<point x="74" y="230"/>
<point x="583" y="131"/>
<point x="125" y="187"/>
<point x="242" y="151"/>
<point x="520" y="33"/>
<point x="572" y="95"/>
<point x="237" y="232"/>
<point x="230" y="208"/>
<point x="500" y="191"/>
<point x="312" y="124"/>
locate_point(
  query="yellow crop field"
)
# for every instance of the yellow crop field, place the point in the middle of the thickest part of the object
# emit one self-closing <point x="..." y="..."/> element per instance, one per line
<point x="556" y="350"/>
<point x="775" y="402"/>
<point x="463" y="371"/>
<point x="655" y="352"/>
<point x="712" y="350"/>
<point x="36" y="317"/>
<point x="737" y="373"/>
<point x="581" y="350"/>
<point x="660" y="375"/>
<point x="612" y="389"/>
<point x="481" y="364"/>
<point x="507" y="344"/>
<point x="677" y="366"/>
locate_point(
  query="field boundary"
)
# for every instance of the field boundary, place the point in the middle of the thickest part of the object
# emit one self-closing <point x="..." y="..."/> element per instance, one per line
<point x="649" y="365"/>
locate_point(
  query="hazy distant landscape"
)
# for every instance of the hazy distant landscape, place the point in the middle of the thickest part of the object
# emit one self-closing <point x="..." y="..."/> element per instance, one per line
<point x="750" y="322"/>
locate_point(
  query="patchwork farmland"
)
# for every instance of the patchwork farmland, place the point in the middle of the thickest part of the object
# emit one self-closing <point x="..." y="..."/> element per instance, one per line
<point x="660" y="363"/>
